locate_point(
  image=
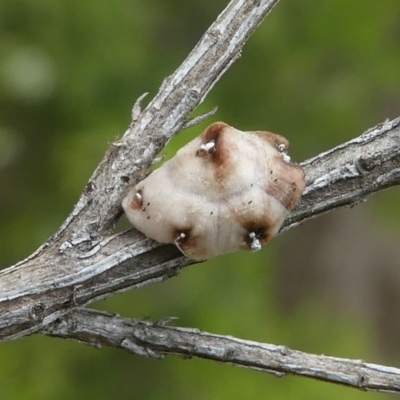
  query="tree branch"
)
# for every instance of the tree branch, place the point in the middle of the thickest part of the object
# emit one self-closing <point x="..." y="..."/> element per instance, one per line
<point x="76" y="264"/>
<point x="156" y="340"/>
<point x="348" y="173"/>
<point x="84" y="262"/>
<point x="342" y="176"/>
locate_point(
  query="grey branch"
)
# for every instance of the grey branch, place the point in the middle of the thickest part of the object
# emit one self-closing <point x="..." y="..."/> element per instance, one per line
<point x="156" y="340"/>
<point x="84" y="269"/>
<point x="84" y="261"/>
<point x="347" y="174"/>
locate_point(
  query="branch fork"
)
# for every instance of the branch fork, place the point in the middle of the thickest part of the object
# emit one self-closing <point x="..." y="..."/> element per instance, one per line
<point x="84" y="261"/>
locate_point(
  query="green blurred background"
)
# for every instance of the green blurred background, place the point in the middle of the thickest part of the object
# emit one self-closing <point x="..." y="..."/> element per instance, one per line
<point x="317" y="71"/>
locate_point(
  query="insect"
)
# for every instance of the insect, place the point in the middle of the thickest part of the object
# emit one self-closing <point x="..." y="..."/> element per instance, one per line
<point x="225" y="190"/>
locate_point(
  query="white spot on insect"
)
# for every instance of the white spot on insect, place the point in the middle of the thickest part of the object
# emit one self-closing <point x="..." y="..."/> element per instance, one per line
<point x="181" y="236"/>
<point x="255" y="244"/>
<point x="282" y="148"/>
<point x="208" y="146"/>
<point x="138" y="196"/>
<point x="236" y="197"/>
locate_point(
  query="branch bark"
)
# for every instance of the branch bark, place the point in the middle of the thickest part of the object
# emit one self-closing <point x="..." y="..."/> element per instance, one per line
<point x="156" y="340"/>
<point x="84" y="261"/>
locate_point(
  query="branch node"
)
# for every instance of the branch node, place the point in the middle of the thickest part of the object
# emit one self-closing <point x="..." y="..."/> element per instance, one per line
<point x="284" y="350"/>
<point x="136" y="109"/>
<point x="136" y="348"/>
<point x="36" y="311"/>
<point x="165" y="321"/>
<point x="362" y="381"/>
<point x="365" y="164"/>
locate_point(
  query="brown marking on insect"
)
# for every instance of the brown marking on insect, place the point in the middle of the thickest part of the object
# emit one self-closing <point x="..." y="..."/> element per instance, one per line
<point x="213" y="131"/>
<point x="278" y="141"/>
<point x="187" y="243"/>
<point x="214" y="134"/>
<point x="210" y="139"/>
<point x="219" y="155"/>
<point x="261" y="233"/>
<point x="252" y="221"/>
<point x="284" y="192"/>
<point x="136" y="200"/>
<point x="288" y="188"/>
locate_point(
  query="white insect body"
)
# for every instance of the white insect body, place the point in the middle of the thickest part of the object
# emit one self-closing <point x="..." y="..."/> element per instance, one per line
<point x="225" y="190"/>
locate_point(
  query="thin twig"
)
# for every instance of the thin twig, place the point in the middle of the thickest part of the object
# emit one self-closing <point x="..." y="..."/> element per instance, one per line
<point x="197" y="120"/>
<point x="156" y="340"/>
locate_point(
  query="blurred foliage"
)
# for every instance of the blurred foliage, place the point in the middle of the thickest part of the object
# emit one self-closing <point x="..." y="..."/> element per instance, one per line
<point x="317" y="71"/>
